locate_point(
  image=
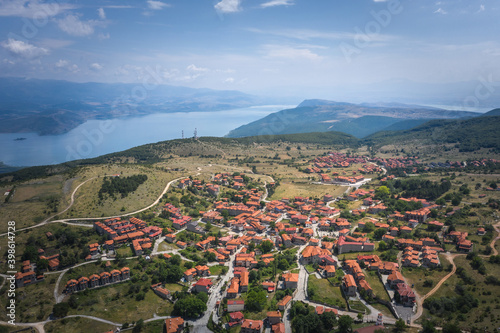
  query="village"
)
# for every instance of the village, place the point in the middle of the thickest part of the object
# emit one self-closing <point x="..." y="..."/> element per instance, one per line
<point x="277" y="252"/>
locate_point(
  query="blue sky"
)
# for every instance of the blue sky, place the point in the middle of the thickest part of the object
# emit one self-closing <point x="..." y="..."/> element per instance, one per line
<point x="258" y="46"/>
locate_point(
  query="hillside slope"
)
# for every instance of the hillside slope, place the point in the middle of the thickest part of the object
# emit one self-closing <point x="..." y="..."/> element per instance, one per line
<point x="468" y="134"/>
<point x="355" y="119"/>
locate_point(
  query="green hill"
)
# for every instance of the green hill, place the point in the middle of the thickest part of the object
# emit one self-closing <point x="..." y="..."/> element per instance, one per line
<point x="468" y="134"/>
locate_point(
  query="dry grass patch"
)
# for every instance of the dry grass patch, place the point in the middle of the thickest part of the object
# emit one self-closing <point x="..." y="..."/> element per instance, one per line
<point x="77" y="325"/>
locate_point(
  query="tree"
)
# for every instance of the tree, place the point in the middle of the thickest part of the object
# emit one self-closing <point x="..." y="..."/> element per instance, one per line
<point x="266" y="246"/>
<point x="139" y="325"/>
<point x="211" y="257"/>
<point x="329" y="320"/>
<point x="382" y="246"/>
<point x="283" y="264"/>
<point x="60" y="310"/>
<point x="369" y="227"/>
<point x="254" y="276"/>
<point x="173" y="274"/>
<point x="400" y="325"/>
<point x="208" y="226"/>
<point x="345" y="324"/>
<point x="428" y="327"/>
<point x="382" y="192"/>
<point x="379" y="233"/>
<point x="256" y="300"/>
<point x="451" y="328"/>
<point x="189" y="307"/>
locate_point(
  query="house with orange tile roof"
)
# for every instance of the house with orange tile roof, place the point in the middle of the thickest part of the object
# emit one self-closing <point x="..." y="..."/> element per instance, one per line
<point x="349" y="285"/>
<point x="284" y="302"/>
<point x="125" y="273"/>
<point x="181" y="245"/>
<point x="344" y="246"/>
<point x="189" y="274"/>
<point x="274" y="317"/>
<point x="234" y="286"/>
<point x="394" y="278"/>
<point x="235" y="305"/>
<point x="173" y="325"/>
<point x="291" y="280"/>
<point x="278" y="328"/>
<point x="321" y="309"/>
<point x="252" y="326"/>
<point x="364" y="285"/>
<point x="203" y="285"/>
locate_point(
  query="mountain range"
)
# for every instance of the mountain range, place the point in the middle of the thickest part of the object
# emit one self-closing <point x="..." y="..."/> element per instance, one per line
<point x="359" y="120"/>
<point x="55" y="107"/>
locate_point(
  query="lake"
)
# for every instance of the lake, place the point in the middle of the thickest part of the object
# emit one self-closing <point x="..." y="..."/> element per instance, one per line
<point x="99" y="137"/>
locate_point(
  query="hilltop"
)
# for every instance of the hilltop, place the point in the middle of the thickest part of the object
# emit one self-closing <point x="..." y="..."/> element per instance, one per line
<point x="359" y="120"/>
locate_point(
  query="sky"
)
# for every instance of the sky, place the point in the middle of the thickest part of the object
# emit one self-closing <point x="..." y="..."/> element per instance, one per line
<point x="310" y="48"/>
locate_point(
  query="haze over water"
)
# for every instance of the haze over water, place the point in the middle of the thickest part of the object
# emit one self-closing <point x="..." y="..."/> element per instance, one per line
<point x="99" y="137"/>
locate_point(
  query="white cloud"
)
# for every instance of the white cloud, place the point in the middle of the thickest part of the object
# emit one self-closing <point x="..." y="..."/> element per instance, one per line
<point x="379" y="0"/>
<point x="101" y="13"/>
<point x="62" y="63"/>
<point x="481" y="9"/>
<point x="193" y="68"/>
<point x="440" y="11"/>
<point x="157" y="5"/>
<point x="65" y="65"/>
<point x="308" y="34"/>
<point x="103" y="36"/>
<point x="229" y="80"/>
<point x="32" y="9"/>
<point x="96" y="67"/>
<point x="228" y="6"/>
<point x="119" y="6"/>
<point x="72" y="25"/>
<point x="289" y="52"/>
<point x="273" y="3"/>
<point x="23" y="49"/>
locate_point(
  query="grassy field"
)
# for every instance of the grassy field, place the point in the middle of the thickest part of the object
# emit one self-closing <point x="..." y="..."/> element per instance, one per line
<point x="25" y="214"/>
<point x="124" y="251"/>
<point x="30" y="203"/>
<point x="217" y="269"/>
<point x="77" y="325"/>
<point x="164" y="246"/>
<point x="116" y="304"/>
<point x="485" y="316"/>
<point x="86" y="203"/>
<point x="377" y="286"/>
<point x="418" y="275"/>
<point x="153" y="327"/>
<point x="383" y="309"/>
<point x="358" y="306"/>
<point x="305" y="189"/>
<point x="34" y="302"/>
<point x="324" y="292"/>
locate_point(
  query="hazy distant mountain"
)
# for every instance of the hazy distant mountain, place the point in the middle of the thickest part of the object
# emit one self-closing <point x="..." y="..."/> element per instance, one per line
<point x="355" y="119"/>
<point x="55" y="107"/>
<point x="494" y="112"/>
